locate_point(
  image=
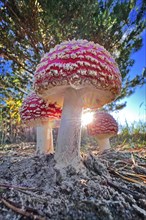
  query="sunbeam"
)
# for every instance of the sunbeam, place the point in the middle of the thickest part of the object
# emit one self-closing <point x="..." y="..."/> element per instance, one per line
<point x="87" y="118"/>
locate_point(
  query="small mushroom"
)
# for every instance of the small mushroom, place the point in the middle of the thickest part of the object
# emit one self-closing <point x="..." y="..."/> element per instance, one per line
<point x="102" y="128"/>
<point x="77" y="74"/>
<point x="35" y="112"/>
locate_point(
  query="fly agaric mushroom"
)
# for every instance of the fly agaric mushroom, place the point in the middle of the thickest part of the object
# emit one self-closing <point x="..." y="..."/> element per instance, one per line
<point x="102" y="128"/>
<point x="82" y="74"/>
<point x="35" y="112"/>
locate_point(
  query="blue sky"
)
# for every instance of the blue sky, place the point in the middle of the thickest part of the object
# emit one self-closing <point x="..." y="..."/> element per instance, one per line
<point x="136" y="103"/>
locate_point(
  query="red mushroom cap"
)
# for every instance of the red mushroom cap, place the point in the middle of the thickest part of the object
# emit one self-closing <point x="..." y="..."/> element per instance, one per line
<point x="81" y="65"/>
<point x="35" y="111"/>
<point x="102" y="125"/>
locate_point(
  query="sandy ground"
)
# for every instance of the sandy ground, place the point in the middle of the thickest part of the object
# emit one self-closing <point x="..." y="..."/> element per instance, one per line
<point x="111" y="186"/>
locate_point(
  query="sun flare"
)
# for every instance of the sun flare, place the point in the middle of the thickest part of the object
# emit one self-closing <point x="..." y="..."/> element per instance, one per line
<point x="87" y="118"/>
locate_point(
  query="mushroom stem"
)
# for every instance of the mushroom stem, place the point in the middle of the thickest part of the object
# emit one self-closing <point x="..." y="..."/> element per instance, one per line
<point x="44" y="139"/>
<point x="103" y="143"/>
<point x="69" y="135"/>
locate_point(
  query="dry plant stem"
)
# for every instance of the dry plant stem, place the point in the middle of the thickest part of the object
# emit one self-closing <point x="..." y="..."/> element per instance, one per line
<point x="103" y="143"/>
<point x="20" y="211"/>
<point x="7" y="186"/>
<point x="44" y="139"/>
<point x="69" y="136"/>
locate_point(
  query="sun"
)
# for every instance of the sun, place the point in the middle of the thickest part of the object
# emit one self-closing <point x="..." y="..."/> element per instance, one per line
<point x="87" y="118"/>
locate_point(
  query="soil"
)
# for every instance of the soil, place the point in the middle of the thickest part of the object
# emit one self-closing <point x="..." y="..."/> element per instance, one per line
<point x="111" y="186"/>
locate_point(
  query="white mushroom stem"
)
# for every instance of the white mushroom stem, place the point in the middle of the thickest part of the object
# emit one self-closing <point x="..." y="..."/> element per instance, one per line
<point x="103" y="143"/>
<point x="69" y="135"/>
<point x="44" y="139"/>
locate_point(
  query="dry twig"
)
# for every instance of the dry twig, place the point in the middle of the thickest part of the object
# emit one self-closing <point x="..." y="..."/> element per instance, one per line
<point x="7" y="186"/>
<point x="28" y="212"/>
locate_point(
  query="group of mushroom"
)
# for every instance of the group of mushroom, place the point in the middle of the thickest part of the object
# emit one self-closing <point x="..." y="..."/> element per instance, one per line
<point x="72" y="76"/>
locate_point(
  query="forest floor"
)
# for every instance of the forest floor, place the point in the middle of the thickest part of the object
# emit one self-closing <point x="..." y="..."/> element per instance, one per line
<point x="112" y="186"/>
